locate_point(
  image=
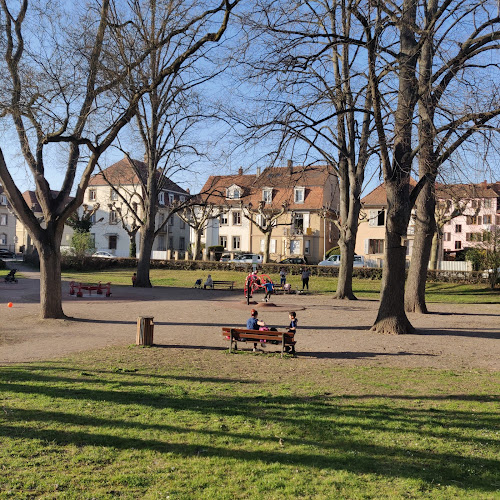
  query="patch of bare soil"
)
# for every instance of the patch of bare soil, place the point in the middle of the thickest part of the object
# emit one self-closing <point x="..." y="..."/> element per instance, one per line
<point x="337" y="332"/>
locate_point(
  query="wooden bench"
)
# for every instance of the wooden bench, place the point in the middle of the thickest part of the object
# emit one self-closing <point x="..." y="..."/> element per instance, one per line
<point x="235" y="335"/>
<point x="224" y="284"/>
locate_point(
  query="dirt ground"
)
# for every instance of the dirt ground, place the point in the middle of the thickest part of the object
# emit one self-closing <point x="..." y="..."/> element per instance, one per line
<point x="451" y="337"/>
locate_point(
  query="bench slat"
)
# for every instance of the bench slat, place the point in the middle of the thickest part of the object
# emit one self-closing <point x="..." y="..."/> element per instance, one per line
<point x="244" y="335"/>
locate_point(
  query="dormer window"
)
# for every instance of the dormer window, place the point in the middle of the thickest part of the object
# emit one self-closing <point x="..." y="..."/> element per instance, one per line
<point x="161" y="198"/>
<point x="298" y="195"/>
<point x="267" y="195"/>
<point x="233" y="192"/>
<point x="236" y="194"/>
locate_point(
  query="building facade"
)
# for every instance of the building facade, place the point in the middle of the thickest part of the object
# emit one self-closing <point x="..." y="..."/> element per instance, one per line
<point x="118" y="192"/>
<point x="7" y="224"/>
<point x="310" y="196"/>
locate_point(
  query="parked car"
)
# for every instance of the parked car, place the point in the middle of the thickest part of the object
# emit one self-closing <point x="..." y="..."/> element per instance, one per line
<point x="294" y="260"/>
<point x="225" y="257"/>
<point x="103" y="255"/>
<point x="334" y="260"/>
<point x="247" y="258"/>
<point x="6" y="253"/>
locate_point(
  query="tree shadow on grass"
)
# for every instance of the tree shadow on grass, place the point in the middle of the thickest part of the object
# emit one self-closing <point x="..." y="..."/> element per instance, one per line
<point x="332" y="434"/>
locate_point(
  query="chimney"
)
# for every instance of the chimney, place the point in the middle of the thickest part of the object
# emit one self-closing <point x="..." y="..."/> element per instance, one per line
<point x="187" y="191"/>
<point x="240" y="171"/>
<point x="258" y="172"/>
<point x="290" y="165"/>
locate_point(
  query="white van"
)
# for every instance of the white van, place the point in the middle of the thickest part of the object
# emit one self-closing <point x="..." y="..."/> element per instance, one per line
<point x="334" y="260"/>
<point x="248" y="258"/>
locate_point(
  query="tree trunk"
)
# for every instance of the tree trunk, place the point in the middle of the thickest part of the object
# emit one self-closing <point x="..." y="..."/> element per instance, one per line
<point x="436" y="243"/>
<point x="424" y="231"/>
<point x="49" y="252"/>
<point x="267" y="246"/>
<point x="344" y="284"/>
<point x="391" y="316"/>
<point x="133" y="245"/>
<point x="144" y="261"/>
<point x="197" y="244"/>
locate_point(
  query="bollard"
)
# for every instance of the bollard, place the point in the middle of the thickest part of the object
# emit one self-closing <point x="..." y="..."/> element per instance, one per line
<point x="145" y="329"/>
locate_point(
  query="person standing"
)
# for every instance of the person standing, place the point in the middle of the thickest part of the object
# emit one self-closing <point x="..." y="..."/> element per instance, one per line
<point x="283" y="276"/>
<point x="305" y="278"/>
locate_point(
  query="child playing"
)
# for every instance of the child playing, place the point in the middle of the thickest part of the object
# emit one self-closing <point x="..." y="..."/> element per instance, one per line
<point x="254" y="324"/>
<point x="269" y="287"/>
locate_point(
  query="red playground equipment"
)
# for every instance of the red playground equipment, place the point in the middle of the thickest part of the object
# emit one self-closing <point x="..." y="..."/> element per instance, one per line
<point x="253" y="282"/>
<point x="99" y="289"/>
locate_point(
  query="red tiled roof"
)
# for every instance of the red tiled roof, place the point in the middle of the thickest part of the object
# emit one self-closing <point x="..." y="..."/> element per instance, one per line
<point x="282" y="180"/>
<point x="32" y="201"/>
<point x="122" y="173"/>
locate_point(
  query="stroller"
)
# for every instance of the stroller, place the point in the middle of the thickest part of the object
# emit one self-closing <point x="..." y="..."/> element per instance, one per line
<point x="11" y="277"/>
<point x="197" y="283"/>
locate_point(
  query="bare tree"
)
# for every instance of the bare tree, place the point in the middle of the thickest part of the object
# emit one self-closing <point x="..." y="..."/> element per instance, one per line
<point x="457" y="98"/>
<point x="265" y="220"/>
<point x="317" y="101"/>
<point x="197" y="216"/>
<point x="57" y="92"/>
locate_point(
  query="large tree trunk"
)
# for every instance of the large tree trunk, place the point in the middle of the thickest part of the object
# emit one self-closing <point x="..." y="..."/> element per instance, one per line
<point x="132" y="252"/>
<point x="435" y="246"/>
<point x="391" y="316"/>
<point x="424" y="231"/>
<point x="49" y="252"/>
<point x="350" y="206"/>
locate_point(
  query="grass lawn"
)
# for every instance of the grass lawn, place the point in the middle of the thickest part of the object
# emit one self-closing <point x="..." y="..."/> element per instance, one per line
<point x="436" y="292"/>
<point x="183" y="424"/>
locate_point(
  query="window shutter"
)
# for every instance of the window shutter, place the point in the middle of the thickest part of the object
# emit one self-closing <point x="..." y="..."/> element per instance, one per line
<point x="306" y="222"/>
<point x="372" y="218"/>
<point x="272" y="246"/>
<point x="367" y="246"/>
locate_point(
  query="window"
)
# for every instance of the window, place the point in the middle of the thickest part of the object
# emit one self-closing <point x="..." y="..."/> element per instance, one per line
<point x="475" y="203"/>
<point x="272" y="247"/>
<point x="447" y="237"/>
<point x="236" y="194"/>
<point x="223" y="241"/>
<point x="375" y="246"/>
<point x="458" y="245"/>
<point x="3" y="200"/>
<point x="487" y="203"/>
<point x="458" y="228"/>
<point x="170" y="198"/>
<point x="182" y="224"/>
<point x="295" y="247"/>
<point x="471" y="220"/>
<point x="171" y="243"/>
<point x="223" y="219"/>
<point x="468" y="237"/>
<point x="161" y="198"/>
<point x="267" y="195"/>
<point x="112" y="241"/>
<point x="3" y="219"/>
<point x="409" y="247"/>
<point x="171" y="220"/>
<point x="307" y="247"/>
<point x="182" y="198"/>
<point x="376" y="218"/>
<point x="486" y="219"/>
<point x="497" y="220"/>
<point x="237" y="219"/>
<point x="161" y="243"/>
<point x="92" y="195"/>
<point x="3" y="239"/>
<point x="113" y="217"/>
<point x="298" y="195"/>
<point x="182" y="243"/>
<point x="92" y="218"/>
<point x="114" y="195"/>
<point x="236" y="242"/>
<point x="298" y="223"/>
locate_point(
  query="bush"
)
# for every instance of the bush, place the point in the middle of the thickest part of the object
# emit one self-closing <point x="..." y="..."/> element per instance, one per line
<point x="333" y="251"/>
<point x="217" y="249"/>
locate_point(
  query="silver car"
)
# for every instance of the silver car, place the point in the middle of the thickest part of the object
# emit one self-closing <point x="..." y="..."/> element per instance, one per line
<point x="334" y="260"/>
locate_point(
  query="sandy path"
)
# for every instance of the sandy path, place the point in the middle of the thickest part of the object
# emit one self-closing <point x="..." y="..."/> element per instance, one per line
<point x="454" y="336"/>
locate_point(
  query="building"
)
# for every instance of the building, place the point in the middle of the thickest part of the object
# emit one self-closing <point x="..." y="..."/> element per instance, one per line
<point x="118" y="192"/>
<point x="466" y="210"/>
<point x="24" y="242"/>
<point x="462" y="210"/>
<point x="7" y="224"/>
<point x="311" y="197"/>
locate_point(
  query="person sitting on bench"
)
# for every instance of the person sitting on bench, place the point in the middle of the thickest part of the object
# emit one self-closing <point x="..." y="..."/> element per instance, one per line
<point x="254" y="324"/>
<point x="209" y="283"/>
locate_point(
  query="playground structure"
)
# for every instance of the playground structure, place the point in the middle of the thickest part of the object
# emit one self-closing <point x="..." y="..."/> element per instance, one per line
<point x="254" y="282"/>
<point x="99" y="288"/>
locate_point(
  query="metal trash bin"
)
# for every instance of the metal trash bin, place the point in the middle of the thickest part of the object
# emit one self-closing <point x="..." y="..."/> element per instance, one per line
<point x="145" y="329"/>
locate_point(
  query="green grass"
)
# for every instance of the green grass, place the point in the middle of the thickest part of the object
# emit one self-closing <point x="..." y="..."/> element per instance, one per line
<point x="455" y="293"/>
<point x="150" y="423"/>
